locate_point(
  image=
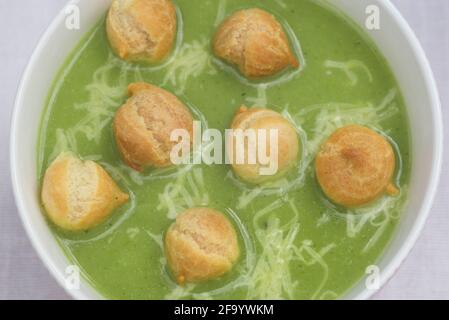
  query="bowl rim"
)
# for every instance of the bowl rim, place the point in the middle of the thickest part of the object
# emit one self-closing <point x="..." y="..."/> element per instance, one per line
<point x="392" y="265"/>
<point x="435" y="108"/>
<point x="38" y="246"/>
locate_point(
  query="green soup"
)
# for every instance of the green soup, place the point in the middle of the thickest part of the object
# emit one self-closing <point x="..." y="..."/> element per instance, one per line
<point x="295" y="244"/>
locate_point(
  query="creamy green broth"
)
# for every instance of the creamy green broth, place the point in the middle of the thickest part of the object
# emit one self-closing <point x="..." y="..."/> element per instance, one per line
<point x="294" y="243"/>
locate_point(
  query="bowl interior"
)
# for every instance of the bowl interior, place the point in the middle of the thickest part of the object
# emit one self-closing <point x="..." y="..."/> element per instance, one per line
<point x="396" y="42"/>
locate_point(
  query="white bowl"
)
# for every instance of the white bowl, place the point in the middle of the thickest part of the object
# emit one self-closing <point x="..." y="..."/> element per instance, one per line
<point x="395" y="40"/>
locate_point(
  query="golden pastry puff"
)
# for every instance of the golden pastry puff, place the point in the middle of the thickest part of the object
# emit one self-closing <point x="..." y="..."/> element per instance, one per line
<point x="257" y="120"/>
<point x="144" y="124"/>
<point x="142" y="30"/>
<point x="254" y="41"/>
<point x="201" y="245"/>
<point x="78" y="195"/>
<point x="355" y="166"/>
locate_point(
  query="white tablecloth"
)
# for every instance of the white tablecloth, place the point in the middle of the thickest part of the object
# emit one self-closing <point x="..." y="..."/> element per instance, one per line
<point x="424" y="275"/>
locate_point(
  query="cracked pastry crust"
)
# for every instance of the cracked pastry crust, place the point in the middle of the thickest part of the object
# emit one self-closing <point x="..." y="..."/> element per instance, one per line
<point x="78" y="195"/>
<point x="254" y="41"/>
<point x="143" y="125"/>
<point x="201" y="245"/>
<point x="142" y="30"/>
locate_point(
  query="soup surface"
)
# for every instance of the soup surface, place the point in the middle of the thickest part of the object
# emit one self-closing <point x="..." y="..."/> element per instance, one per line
<point x="295" y="244"/>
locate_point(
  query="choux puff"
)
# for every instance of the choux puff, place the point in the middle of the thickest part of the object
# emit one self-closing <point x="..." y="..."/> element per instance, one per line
<point x="355" y="166"/>
<point x="144" y="124"/>
<point x="142" y="30"/>
<point x="260" y="120"/>
<point x="78" y="195"/>
<point x="201" y="245"/>
<point x="255" y="42"/>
